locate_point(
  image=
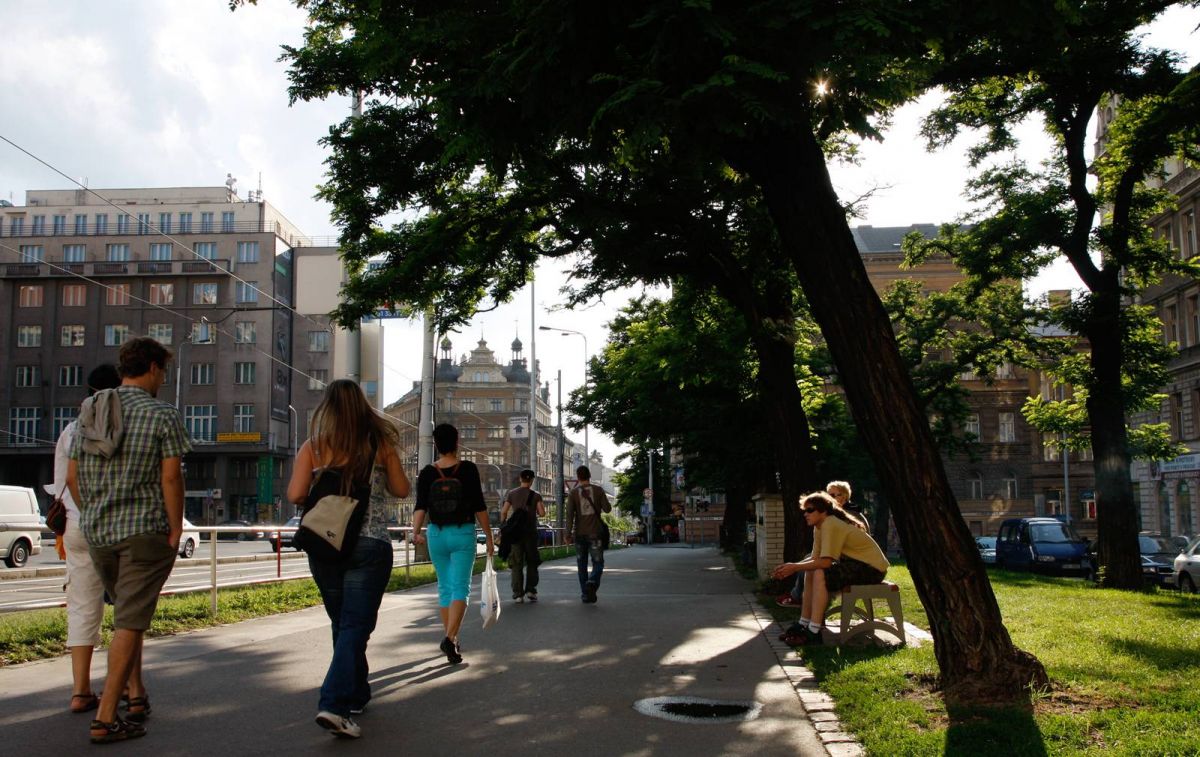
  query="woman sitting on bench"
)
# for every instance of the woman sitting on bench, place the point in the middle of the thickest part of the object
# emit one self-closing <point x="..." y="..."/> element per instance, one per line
<point x="848" y="556"/>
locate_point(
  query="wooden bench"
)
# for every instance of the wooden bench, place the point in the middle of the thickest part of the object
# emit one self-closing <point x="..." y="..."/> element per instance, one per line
<point x="866" y="594"/>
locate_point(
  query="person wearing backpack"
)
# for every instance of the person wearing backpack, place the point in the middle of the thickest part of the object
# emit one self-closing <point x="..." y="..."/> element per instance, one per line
<point x="347" y="435"/>
<point x="450" y="497"/>
<point x="523" y="558"/>
<point x="585" y="528"/>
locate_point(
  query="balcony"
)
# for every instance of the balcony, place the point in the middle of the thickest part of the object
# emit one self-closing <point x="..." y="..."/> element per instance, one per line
<point x="101" y="269"/>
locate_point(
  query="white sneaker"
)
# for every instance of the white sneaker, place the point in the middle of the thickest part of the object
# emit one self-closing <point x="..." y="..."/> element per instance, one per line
<point x="519" y="598"/>
<point x="338" y="725"/>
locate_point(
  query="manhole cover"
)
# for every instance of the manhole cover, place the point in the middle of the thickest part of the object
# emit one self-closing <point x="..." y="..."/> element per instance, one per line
<point x="697" y="710"/>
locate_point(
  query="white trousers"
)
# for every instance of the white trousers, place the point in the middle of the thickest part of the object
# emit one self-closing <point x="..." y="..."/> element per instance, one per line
<point x="85" y="592"/>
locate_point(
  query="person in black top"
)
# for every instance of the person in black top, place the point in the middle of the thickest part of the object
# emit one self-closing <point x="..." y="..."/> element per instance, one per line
<point x="450" y="497"/>
<point x="526" y="504"/>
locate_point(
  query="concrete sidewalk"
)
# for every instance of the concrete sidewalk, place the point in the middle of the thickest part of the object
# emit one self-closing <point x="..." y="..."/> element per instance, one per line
<point x="556" y="677"/>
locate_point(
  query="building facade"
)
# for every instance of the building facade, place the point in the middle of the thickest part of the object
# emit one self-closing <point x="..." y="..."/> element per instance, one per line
<point x="211" y="276"/>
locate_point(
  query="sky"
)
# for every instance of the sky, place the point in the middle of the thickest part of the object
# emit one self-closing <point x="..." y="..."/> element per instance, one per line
<point x="144" y="93"/>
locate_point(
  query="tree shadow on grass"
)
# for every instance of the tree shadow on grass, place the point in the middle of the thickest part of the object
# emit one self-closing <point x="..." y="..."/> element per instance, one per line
<point x="1186" y="607"/>
<point x="1162" y="656"/>
<point x="1007" y="731"/>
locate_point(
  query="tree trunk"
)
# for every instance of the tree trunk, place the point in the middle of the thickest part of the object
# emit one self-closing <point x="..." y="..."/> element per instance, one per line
<point x="733" y="524"/>
<point x="975" y="654"/>
<point x="1116" y="512"/>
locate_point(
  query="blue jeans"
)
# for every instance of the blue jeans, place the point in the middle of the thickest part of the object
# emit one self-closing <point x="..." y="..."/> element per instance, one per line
<point x="352" y="591"/>
<point x="585" y="546"/>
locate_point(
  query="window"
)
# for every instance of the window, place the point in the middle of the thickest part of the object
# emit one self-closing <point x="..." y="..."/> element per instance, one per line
<point x="16" y="227"/>
<point x="203" y="333"/>
<point x="24" y="424"/>
<point x="123" y="224"/>
<point x="29" y="296"/>
<point x="161" y="332"/>
<point x="202" y="374"/>
<point x="143" y="223"/>
<point x="1051" y="451"/>
<point x="523" y="406"/>
<point x="39" y="225"/>
<point x="1189" y="233"/>
<point x="74" y="295"/>
<point x="72" y="336"/>
<point x="116" y="294"/>
<point x="162" y="294"/>
<point x="246" y="291"/>
<point x="33" y="253"/>
<point x="164" y="223"/>
<point x="495" y="432"/>
<point x="243" y="373"/>
<point x="206" y="250"/>
<point x="227" y="220"/>
<point x="118" y="253"/>
<point x="1008" y="428"/>
<point x="1009" y="487"/>
<point x="101" y="224"/>
<point x="247" y="252"/>
<point x="972" y="425"/>
<point x="70" y="375"/>
<point x="63" y="417"/>
<point x="29" y="376"/>
<point x="29" y="336"/>
<point x="497" y="406"/>
<point x="74" y="253"/>
<point x="317" y="379"/>
<point x="115" y="334"/>
<point x="60" y="225"/>
<point x="467" y="405"/>
<point x="204" y="294"/>
<point x="466" y="432"/>
<point x="201" y="422"/>
<point x="243" y="418"/>
<point x="206" y="223"/>
<point x="185" y="223"/>
<point x="80" y="224"/>
<point x="1005" y="370"/>
<point x="245" y="332"/>
<point x="1177" y="416"/>
<point x="1192" y="313"/>
<point x="1170" y="324"/>
<point x="160" y="251"/>
<point x="318" y="341"/>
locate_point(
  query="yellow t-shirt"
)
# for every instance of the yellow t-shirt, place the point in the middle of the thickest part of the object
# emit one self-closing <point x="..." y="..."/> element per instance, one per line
<point x="840" y="539"/>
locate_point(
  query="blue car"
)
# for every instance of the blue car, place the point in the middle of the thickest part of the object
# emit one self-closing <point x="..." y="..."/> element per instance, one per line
<point x="1043" y="545"/>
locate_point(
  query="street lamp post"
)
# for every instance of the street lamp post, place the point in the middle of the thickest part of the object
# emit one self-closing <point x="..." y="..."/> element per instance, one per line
<point x="587" y="451"/>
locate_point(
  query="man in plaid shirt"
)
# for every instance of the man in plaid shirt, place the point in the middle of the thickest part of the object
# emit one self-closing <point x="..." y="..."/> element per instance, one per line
<point x="126" y="473"/>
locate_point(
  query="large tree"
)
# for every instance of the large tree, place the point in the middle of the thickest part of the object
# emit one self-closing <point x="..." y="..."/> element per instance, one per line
<point x="1058" y="65"/>
<point x="760" y="87"/>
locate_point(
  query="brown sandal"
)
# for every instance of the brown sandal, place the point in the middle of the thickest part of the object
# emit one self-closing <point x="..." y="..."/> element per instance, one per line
<point x="143" y="712"/>
<point x="84" y="702"/>
<point x="118" y="730"/>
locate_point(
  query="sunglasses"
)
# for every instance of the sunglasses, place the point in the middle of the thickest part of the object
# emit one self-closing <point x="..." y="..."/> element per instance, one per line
<point x="808" y="510"/>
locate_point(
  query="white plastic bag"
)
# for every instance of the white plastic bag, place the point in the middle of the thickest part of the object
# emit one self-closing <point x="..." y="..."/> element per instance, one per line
<point x="489" y="600"/>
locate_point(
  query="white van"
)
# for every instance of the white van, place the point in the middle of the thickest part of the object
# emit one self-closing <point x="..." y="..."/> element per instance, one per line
<point x="20" y="525"/>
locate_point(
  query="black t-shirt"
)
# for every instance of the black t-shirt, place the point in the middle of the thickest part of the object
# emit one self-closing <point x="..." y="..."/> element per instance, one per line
<point x="472" y="492"/>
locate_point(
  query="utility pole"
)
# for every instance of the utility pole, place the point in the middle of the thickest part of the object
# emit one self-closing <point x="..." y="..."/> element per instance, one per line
<point x="533" y="381"/>
<point x="425" y="420"/>
<point x="650" y="516"/>
<point x="562" y="485"/>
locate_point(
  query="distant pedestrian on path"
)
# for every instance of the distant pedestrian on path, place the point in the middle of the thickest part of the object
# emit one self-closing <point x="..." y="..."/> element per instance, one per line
<point x="845" y="556"/>
<point x="450" y="497"/>
<point x="344" y="431"/>
<point x="85" y="592"/>
<point x="585" y="504"/>
<point x="126" y="472"/>
<point x="525" y="505"/>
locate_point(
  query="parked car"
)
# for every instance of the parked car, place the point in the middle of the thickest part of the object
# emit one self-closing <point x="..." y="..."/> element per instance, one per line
<point x="545" y="534"/>
<point x="263" y="532"/>
<point x="285" y="537"/>
<point x="22" y="538"/>
<point x="1044" y="545"/>
<point x="1158" y="559"/>
<point x="1187" y="567"/>
<point x="987" y="548"/>
<point x="189" y="540"/>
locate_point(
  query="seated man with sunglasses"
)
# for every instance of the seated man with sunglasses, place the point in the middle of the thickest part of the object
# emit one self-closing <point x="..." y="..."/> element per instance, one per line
<point x="848" y="556"/>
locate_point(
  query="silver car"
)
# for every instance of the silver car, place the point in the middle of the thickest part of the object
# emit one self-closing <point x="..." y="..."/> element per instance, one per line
<point x="1187" y="567"/>
<point x="189" y="540"/>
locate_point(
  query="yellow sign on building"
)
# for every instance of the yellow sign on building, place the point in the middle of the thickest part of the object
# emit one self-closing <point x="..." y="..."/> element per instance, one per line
<point x="240" y="437"/>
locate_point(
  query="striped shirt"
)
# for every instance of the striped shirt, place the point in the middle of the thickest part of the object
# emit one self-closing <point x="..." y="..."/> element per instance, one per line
<point x="122" y="496"/>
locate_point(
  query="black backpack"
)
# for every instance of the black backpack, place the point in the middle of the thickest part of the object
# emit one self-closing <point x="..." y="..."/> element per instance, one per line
<point x="445" y="494"/>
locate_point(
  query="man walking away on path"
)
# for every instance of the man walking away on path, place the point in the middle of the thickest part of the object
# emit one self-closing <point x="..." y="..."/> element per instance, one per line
<point x="584" y="506"/>
<point x="126" y="473"/>
<point x="526" y="504"/>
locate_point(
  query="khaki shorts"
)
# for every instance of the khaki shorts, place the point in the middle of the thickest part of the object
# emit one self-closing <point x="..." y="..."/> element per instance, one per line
<point x="133" y="572"/>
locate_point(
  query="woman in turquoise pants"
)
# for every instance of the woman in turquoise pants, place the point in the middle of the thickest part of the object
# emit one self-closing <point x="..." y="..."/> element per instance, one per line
<point x="450" y="498"/>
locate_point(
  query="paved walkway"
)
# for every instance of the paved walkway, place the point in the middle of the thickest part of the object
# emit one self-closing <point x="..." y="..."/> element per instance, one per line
<point x="556" y="677"/>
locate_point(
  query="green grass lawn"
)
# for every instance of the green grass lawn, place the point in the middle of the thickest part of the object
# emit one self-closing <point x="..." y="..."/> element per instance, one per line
<point x="1124" y="668"/>
<point x="38" y="634"/>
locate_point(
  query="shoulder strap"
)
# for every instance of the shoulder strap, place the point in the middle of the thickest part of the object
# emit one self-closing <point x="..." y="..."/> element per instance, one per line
<point x="442" y="474"/>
